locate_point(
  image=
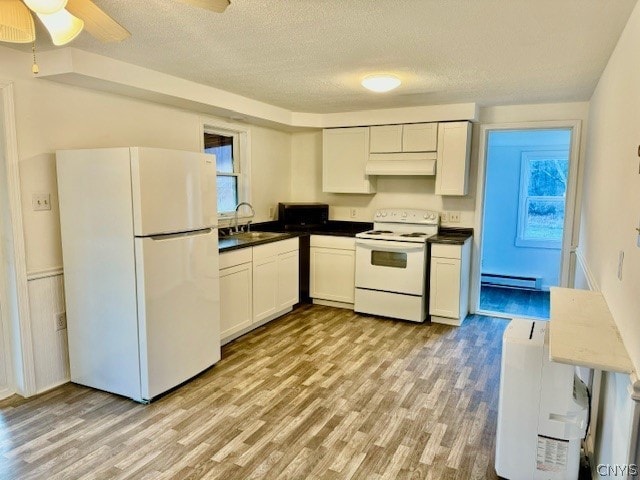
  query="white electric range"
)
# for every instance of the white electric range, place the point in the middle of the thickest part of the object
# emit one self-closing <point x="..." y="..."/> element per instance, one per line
<point x="391" y="264"/>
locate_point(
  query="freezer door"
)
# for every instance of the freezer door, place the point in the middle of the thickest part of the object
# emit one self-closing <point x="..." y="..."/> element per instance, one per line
<point x="173" y="191"/>
<point x="178" y="308"/>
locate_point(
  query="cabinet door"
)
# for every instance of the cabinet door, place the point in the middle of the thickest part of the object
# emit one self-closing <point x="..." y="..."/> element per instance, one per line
<point x="288" y="279"/>
<point x="235" y="299"/>
<point x="265" y="287"/>
<point x="385" y="139"/>
<point x="420" y="137"/>
<point x="344" y="156"/>
<point x="332" y="275"/>
<point x="452" y="171"/>
<point x="444" y="298"/>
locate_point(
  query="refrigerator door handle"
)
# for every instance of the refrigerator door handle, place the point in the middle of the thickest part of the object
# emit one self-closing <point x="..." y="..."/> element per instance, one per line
<point x="169" y="236"/>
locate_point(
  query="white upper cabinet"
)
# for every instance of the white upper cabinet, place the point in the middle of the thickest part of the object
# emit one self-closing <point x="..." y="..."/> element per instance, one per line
<point x="412" y="137"/>
<point x="420" y="137"/>
<point x="385" y="139"/>
<point x="344" y="155"/>
<point x="454" y="151"/>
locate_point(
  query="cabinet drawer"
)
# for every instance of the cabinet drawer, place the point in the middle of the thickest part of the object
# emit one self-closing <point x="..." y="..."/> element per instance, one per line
<point x="235" y="257"/>
<point x="330" y="241"/>
<point x="446" y="251"/>
<point x="275" y="248"/>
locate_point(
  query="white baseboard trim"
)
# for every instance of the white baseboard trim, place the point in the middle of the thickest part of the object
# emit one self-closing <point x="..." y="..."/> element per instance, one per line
<point x="45" y="273"/>
<point x="253" y="326"/>
<point x="588" y="274"/>
<point x="331" y="303"/>
<point x="53" y="386"/>
<point x="456" y="322"/>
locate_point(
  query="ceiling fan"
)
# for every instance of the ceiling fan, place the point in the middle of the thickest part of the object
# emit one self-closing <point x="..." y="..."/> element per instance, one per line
<point x="65" y="19"/>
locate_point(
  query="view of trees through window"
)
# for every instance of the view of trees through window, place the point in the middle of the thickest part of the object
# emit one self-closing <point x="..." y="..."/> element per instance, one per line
<point x="227" y="171"/>
<point x="545" y="198"/>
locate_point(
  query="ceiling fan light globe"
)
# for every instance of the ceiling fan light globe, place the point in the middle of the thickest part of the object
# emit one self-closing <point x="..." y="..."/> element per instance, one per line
<point x="16" y="22"/>
<point x="46" y="7"/>
<point x="62" y="26"/>
<point x="380" y="83"/>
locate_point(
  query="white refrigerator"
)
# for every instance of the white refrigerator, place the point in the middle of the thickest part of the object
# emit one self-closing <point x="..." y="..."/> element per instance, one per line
<point x="140" y="253"/>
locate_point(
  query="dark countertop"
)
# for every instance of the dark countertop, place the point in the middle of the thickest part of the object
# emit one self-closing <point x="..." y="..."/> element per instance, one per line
<point x="452" y="236"/>
<point x="231" y="242"/>
<point x="333" y="228"/>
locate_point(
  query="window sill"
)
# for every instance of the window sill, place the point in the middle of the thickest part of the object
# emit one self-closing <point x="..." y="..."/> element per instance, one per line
<point x="548" y="244"/>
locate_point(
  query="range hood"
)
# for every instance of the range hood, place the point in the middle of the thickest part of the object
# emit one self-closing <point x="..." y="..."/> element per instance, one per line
<point x="414" y="163"/>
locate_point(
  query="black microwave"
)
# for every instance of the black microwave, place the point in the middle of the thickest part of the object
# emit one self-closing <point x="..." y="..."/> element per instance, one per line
<point x="302" y="216"/>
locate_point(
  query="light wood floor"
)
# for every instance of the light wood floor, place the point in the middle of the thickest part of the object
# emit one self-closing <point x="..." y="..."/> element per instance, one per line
<point x="320" y="393"/>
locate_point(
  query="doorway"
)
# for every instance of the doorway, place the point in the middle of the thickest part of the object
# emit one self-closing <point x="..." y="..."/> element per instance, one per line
<point x="528" y="187"/>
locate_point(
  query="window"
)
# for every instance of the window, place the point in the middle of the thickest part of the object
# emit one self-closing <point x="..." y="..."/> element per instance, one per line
<point x="230" y="146"/>
<point x="227" y="170"/>
<point x="543" y="185"/>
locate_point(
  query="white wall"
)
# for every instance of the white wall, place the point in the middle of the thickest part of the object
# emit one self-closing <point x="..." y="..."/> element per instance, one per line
<point x="610" y="214"/>
<point x="51" y="116"/>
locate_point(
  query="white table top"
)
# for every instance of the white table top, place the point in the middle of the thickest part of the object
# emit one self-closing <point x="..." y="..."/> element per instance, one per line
<point x="582" y="332"/>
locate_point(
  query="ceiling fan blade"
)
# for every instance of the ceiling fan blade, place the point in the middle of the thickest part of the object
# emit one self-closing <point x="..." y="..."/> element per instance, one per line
<point x="96" y="22"/>
<point x="217" y="6"/>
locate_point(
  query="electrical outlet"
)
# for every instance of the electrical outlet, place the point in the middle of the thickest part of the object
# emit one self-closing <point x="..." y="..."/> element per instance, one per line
<point x="353" y="212"/>
<point x="454" y="217"/>
<point x="61" y="320"/>
<point x="41" y="201"/>
<point x="444" y="217"/>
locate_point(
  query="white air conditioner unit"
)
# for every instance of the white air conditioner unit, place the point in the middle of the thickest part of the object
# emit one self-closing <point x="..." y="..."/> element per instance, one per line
<point x="542" y="413"/>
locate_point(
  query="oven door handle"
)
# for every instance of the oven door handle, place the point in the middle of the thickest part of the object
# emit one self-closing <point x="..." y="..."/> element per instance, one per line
<point x="382" y="245"/>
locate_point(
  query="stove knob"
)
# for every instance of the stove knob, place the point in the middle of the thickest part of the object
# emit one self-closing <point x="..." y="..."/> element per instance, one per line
<point x="384" y="214"/>
<point x="426" y="216"/>
<point x="377" y="214"/>
<point x="404" y="214"/>
<point x="432" y="216"/>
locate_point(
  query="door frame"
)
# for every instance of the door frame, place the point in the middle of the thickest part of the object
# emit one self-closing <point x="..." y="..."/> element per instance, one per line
<point x="14" y="292"/>
<point x="572" y="207"/>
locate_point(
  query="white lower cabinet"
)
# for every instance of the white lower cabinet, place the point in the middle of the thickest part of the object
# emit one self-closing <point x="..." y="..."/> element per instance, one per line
<point x="275" y="278"/>
<point x="449" y="282"/>
<point x="332" y="270"/>
<point x="265" y="287"/>
<point x="288" y="279"/>
<point x="235" y="292"/>
<point x="257" y="284"/>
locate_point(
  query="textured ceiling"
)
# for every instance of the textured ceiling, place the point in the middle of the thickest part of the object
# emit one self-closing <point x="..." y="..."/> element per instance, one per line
<point x="309" y="55"/>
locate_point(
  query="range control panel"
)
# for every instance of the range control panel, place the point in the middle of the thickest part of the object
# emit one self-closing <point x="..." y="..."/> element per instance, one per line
<point x="406" y="215"/>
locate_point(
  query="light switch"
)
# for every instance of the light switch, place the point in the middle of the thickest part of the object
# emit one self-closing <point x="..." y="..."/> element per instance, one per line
<point x="41" y="201"/>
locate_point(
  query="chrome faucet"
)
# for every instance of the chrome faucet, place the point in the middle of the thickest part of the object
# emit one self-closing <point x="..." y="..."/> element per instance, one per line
<point x="235" y="217"/>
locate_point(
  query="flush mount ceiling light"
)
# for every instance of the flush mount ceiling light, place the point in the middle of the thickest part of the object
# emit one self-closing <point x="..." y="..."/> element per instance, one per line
<point x="381" y="83"/>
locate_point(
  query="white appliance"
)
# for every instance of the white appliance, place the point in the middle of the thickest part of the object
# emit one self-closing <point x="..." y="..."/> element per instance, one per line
<point x="140" y="249"/>
<point x="391" y="264"/>
<point x="543" y="408"/>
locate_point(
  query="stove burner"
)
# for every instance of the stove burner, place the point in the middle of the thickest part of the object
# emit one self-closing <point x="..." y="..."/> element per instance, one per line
<point x="379" y="232"/>
<point x="413" y="234"/>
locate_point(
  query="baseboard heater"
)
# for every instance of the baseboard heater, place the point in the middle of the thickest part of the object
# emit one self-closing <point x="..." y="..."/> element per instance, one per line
<point x="511" y="281"/>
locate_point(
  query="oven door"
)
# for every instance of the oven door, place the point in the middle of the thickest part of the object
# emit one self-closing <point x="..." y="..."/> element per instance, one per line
<point x="391" y="266"/>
